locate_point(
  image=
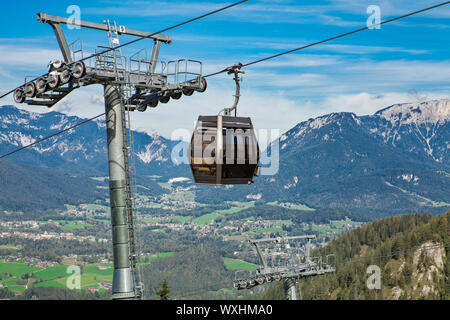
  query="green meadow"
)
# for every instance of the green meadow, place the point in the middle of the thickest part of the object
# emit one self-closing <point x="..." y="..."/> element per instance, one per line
<point x="236" y="264"/>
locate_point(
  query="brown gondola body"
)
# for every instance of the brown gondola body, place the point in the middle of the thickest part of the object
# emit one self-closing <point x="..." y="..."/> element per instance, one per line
<point x="224" y="150"/>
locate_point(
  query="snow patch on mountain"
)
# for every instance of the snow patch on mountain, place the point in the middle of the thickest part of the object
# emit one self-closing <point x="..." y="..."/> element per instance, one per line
<point x="254" y="196"/>
<point x="17" y="139"/>
<point x="421" y="128"/>
<point x="437" y="111"/>
<point x="59" y="126"/>
<point x="292" y="185"/>
<point x="320" y="122"/>
<point x="32" y="115"/>
<point x="179" y="179"/>
<point x="154" y="151"/>
<point x="408" y="177"/>
<point x="25" y="140"/>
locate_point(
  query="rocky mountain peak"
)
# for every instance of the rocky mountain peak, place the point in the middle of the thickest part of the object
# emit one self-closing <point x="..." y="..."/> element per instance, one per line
<point x="435" y="111"/>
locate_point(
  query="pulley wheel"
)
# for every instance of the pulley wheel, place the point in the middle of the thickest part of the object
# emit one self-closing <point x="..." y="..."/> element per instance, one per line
<point x="203" y="85"/>
<point x="260" y="280"/>
<point x="141" y="108"/>
<point x="153" y="103"/>
<point x="58" y="64"/>
<point x="65" y="76"/>
<point x="41" y="85"/>
<point x="30" y="90"/>
<point x="79" y="70"/>
<point x="53" y="80"/>
<point x="177" y="95"/>
<point x="164" y="99"/>
<point x="19" y="95"/>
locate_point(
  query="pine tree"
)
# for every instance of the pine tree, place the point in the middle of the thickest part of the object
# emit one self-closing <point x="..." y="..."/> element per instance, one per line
<point x="164" y="292"/>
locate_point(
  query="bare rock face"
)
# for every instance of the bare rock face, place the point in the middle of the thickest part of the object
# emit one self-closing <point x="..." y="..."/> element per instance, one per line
<point x="428" y="260"/>
<point x="397" y="292"/>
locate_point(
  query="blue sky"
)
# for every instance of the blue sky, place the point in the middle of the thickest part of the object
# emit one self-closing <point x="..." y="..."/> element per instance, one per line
<point x="405" y="61"/>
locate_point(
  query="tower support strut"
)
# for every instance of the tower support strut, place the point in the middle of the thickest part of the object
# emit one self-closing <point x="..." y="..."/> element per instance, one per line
<point x="289" y="288"/>
<point x="123" y="281"/>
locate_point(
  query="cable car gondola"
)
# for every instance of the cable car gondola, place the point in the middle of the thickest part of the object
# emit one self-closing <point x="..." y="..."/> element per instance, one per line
<point x="224" y="149"/>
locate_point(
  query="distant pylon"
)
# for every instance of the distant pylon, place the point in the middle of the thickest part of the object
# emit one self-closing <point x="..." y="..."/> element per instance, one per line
<point x="296" y="267"/>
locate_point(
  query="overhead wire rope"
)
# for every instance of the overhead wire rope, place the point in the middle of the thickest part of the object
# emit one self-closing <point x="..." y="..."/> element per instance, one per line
<point x="333" y="38"/>
<point x="267" y="58"/>
<point x="115" y="48"/>
<point x="250" y="63"/>
<point x="141" y="38"/>
<point x="225" y="70"/>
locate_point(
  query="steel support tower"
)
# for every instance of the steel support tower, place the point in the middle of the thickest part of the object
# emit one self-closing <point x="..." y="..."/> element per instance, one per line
<point x="124" y="286"/>
<point x="296" y="267"/>
<point x="129" y="85"/>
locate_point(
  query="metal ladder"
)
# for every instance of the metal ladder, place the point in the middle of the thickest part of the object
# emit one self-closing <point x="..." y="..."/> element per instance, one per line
<point x="131" y="208"/>
<point x="117" y="56"/>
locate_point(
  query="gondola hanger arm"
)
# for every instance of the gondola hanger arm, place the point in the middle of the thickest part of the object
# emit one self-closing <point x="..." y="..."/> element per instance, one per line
<point x="236" y="70"/>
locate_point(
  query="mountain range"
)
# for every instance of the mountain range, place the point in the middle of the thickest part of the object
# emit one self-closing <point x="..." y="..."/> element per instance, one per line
<point x="395" y="161"/>
<point x="82" y="150"/>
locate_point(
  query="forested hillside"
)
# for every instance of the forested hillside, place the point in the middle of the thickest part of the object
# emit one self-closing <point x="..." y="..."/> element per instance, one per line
<point x="412" y="252"/>
<point x="35" y="190"/>
<point x="190" y="274"/>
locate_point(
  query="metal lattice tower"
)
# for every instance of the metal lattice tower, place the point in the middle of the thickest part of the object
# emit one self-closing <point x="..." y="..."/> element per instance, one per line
<point x="130" y="85"/>
<point x="288" y="265"/>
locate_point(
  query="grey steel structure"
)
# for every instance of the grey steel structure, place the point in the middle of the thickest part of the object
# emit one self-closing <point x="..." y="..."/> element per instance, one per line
<point x="298" y="266"/>
<point x="143" y="79"/>
<point x="128" y="86"/>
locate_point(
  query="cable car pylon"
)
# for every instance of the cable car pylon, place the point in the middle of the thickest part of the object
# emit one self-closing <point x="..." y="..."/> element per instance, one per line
<point x="130" y="86"/>
<point x="299" y="265"/>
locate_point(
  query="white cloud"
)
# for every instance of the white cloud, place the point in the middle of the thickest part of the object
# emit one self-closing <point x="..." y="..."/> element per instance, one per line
<point x="348" y="76"/>
<point x="271" y="10"/>
<point x="153" y="9"/>
<point x="365" y="103"/>
<point x="300" y="60"/>
<point x="358" y="49"/>
<point x="98" y="99"/>
<point x="64" y="106"/>
<point x="268" y="111"/>
<point x="294" y="80"/>
<point x="5" y="74"/>
<point x="399" y="72"/>
<point x="389" y="7"/>
<point x="27" y="56"/>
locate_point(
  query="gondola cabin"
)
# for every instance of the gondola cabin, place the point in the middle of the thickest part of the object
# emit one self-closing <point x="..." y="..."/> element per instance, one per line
<point x="224" y="150"/>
